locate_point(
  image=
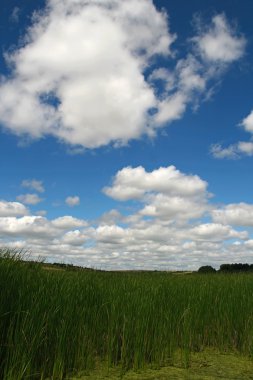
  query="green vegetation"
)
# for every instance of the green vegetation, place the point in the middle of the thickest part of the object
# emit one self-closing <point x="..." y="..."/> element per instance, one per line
<point x="206" y="269"/>
<point x="54" y="324"/>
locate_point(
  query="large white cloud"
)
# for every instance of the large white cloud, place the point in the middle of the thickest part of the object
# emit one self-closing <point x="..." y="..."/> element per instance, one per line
<point x="81" y="72"/>
<point x="31" y="226"/>
<point x="90" y="56"/>
<point x="132" y="183"/>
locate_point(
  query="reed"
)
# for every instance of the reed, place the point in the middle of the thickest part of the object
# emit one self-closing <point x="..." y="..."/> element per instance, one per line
<point x="53" y="323"/>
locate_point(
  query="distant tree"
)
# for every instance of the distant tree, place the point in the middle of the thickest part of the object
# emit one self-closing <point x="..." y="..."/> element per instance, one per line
<point x="237" y="267"/>
<point x="206" y="269"/>
<point x="225" y="268"/>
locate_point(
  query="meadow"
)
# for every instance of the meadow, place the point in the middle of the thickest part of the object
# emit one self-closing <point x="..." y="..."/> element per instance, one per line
<point x="56" y="324"/>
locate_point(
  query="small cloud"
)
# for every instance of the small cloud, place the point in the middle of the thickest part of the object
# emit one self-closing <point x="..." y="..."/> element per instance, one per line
<point x="72" y="201"/>
<point x="67" y="222"/>
<point x="29" y="199"/>
<point x="220" y="43"/>
<point x="217" y="151"/>
<point x="233" y="151"/>
<point x="238" y="149"/>
<point x="14" y="17"/>
<point x="247" y="122"/>
<point x="33" y="184"/>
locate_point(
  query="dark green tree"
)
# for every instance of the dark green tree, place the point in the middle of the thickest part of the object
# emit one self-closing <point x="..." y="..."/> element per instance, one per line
<point x="206" y="269"/>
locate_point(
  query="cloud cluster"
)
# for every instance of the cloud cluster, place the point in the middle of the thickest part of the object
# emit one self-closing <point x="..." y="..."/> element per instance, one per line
<point x="174" y="226"/>
<point x="87" y="72"/>
<point x="166" y="192"/>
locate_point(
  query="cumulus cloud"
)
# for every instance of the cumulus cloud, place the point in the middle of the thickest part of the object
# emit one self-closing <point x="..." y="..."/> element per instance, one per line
<point x="33" y="184"/>
<point x="75" y="237"/>
<point x="39" y="227"/>
<point x="175" y="208"/>
<point x="133" y="183"/>
<point x="111" y="217"/>
<point x="29" y="199"/>
<point x="216" y="232"/>
<point x="12" y="209"/>
<point x="72" y="201"/>
<point x="28" y="226"/>
<point x="81" y="73"/>
<point x="220" y="42"/>
<point x="68" y="222"/>
<point x="167" y="193"/>
<point x="238" y="214"/>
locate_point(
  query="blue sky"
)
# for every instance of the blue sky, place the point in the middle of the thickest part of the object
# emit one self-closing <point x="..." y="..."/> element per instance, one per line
<point x="126" y="132"/>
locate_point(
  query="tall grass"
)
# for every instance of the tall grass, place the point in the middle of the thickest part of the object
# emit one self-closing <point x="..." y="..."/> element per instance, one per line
<point x="53" y="323"/>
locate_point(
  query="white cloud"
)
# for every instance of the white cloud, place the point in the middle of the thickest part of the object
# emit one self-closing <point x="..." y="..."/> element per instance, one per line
<point x="174" y="208"/>
<point x="110" y="234"/>
<point x="29" y="199"/>
<point x="238" y="149"/>
<point x="220" y="42"/>
<point x="233" y="151"/>
<point x="102" y="97"/>
<point x="27" y="226"/>
<point x="247" y="122"/>
<point x="80" y="74"/>
<point x="238" y="214"/>
<point x="230" y="152"/>
<point x="133" y="183"/>
<point x="68" y="222"/>
<point x="12" y="209"/>
<point x="75" y="237"/>
<point x="33" y="184"/>
<point x="245" y="147"/>
<point x="216" y="232"/>
<point x="172" y="108"/>
<point x="110" y="217"/>
<point x="72" y="201"/>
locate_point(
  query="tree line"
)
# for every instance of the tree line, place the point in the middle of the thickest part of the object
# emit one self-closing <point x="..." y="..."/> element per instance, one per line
<point x="227" y="268"/>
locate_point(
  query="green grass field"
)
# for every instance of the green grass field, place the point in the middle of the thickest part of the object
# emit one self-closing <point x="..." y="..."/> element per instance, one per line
<point x="57" y="324"/>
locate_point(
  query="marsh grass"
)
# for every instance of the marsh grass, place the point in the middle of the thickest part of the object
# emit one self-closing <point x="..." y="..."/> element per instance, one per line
<point x="57" y="323"/>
